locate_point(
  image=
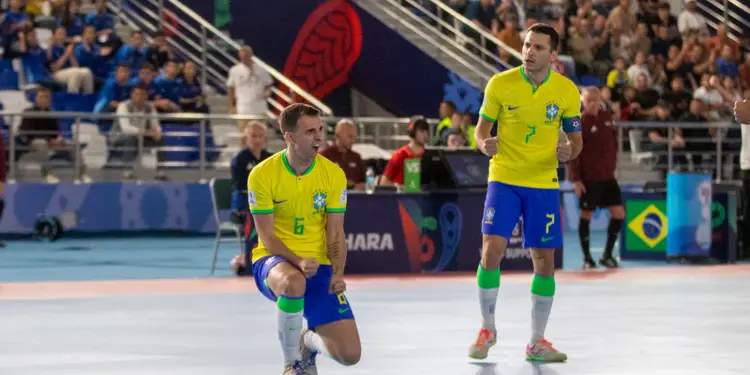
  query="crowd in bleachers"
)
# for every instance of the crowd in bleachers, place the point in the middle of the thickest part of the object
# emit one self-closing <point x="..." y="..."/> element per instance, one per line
<point x="79" y="59"/>
<point x="653" y="63"/>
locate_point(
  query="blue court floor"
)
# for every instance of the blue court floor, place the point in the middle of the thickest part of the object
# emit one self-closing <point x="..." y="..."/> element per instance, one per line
<point x="636" y="321"/>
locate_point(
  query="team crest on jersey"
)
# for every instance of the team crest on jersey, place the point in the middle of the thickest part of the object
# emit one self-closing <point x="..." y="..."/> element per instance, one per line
<point x="552" y="110"/>
<point x="319" y="200"/>
<point x="489" y="214"/>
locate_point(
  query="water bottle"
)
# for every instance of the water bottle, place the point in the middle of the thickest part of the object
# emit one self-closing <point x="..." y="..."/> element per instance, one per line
<point x="370" y="181"/>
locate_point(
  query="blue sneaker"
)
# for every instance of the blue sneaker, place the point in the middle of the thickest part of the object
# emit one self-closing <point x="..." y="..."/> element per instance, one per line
<point x="308" y="356"/>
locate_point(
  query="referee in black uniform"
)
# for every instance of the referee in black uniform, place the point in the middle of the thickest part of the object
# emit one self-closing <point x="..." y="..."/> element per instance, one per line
<point x="593" y="176"/>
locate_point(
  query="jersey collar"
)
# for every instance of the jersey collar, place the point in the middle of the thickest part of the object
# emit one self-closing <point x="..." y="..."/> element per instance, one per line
<point x="534" y="88"/>
<point x="289" y="167"/>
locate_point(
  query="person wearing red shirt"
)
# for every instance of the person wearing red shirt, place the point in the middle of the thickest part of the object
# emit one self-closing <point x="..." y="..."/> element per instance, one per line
<point x="593" y="176"/>
<point x="419" y="132"/>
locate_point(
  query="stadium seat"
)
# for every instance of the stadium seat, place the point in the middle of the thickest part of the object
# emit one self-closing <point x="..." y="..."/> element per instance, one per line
<point x="590" y="81"/>
<point x="638" y="156"/>
<point x="8" y="76"/>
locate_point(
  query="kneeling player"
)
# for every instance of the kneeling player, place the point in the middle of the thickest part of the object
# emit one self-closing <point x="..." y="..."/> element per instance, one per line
<point x="298" y="199"/>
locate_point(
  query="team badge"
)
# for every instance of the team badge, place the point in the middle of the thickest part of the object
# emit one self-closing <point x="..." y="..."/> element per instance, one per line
<point x="489" y="214"/>
<point x="319" y="200"/>
<point x="552" y="110"/>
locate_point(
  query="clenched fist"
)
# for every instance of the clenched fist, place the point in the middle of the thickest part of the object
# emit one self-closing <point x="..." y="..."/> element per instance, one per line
<point x="490" y="146"/>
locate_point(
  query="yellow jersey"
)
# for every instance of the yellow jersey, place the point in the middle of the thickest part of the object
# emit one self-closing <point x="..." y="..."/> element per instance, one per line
<point x="528" y="126"/>
<point x="299" y="203"/>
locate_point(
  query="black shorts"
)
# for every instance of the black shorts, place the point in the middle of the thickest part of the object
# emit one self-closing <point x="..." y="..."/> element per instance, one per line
<point x="600" y="194"/>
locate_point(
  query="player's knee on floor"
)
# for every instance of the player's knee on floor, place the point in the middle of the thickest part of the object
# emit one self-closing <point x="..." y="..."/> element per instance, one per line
<point x="348" y="356"/>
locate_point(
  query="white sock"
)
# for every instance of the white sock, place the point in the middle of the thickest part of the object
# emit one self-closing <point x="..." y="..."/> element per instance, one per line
<point x="290" y="329"/>
<point x="487" y="302"/>
<point x="540" y="309"/>
<point x="314" y="342"/>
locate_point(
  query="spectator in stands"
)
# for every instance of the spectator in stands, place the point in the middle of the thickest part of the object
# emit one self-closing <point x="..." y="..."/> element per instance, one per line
<point x="104" y="24"/>
<point x="646" y="96"/>
<point x="661" y="43"/>
<point x="132" y="54"/>
<point x="341" y="153"/>
<point x="618" y="78"/>
<point x="709" y="94"/>
<point x="511" y="37"/>
<point x="34" y="60"/>
<point x="244" y="162"/>
<point x="447" y="109"/>
<point x="72" y="21"/>
<point x="393" y="175"/>
<point x="168" y="89"/>
<point x="159" y="52"/>
<point x="698" y="140"/>
<point x="484" y="17"/>
<point x="116" y="90"/>
<point x="639" y="67"/>
<point x="582" y="47"/>
<point x="193" y="99"/>
<point x="124" y="135"/>
<point x="659" y="140"/>
<point x="89" y="55"/>
<point x="678" y="97"/>
<point x="456" y="139"/>
<point x="721" y="40"/>
<point x="667" y="20"/>
<point x="726" y="65"/>
<point x="642" y="41"/>
<point x="690" y="19"/>
<point x="64" y="67"/>
<point x="249" y="87"/>
<point x="622" y="18"/>
<point x="47" y="130"/>
<point x="13" y="23"/>
<point x="145" y="78"/>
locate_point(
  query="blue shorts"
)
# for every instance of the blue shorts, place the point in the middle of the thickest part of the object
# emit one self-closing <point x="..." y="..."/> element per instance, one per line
<point x="321" y="307"/>
<point x="540" y="209"/>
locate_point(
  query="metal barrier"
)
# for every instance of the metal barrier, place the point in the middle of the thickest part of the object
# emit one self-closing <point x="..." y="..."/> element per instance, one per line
<point x="386" y="133"/>
<point x="631" y="136"/>
<point x="716" y="12"/>
<point x="214" y="52"/>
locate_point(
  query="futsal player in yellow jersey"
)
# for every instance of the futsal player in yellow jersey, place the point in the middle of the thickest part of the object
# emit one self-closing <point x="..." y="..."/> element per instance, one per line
<point x="530" y="104"/>
<point x="297" y="199"/>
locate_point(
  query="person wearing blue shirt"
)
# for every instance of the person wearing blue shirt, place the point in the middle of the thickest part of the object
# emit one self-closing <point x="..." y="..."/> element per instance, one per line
<point x="244" y="162"/>
<point x="132" y="54"/>
<point x="104" y="24"/>
<point x="192" y="99"/>
<point x="72" y="21"/>
<point x="114" y="91"/>
<point x="12" y="24"/>
<point x="90" y="55"/>
<point x="34" y="60"/>
<point x="168" y="89"/>
<point x="64" y="67"/>
<point x="145" y="79"/>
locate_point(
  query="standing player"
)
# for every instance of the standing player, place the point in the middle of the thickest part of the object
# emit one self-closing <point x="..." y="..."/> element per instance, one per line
<point x="298" y="199"/>
<point x="529" y="104"/>
<point x="593" y="176"/>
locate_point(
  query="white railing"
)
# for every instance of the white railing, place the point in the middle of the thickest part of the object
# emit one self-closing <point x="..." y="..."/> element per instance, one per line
<point x="208" y="47"/>
<point x="718" y="11"/>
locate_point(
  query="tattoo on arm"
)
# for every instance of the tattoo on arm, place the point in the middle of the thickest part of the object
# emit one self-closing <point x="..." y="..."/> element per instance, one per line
<point x="335" y="253"/>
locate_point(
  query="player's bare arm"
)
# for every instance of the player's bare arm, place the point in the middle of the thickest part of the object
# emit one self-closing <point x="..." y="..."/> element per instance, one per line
<point x="485" y="142"/>
<point x="264" y="226"/>
<point x="576" y="144"/>
<point x="336" y="250"/>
